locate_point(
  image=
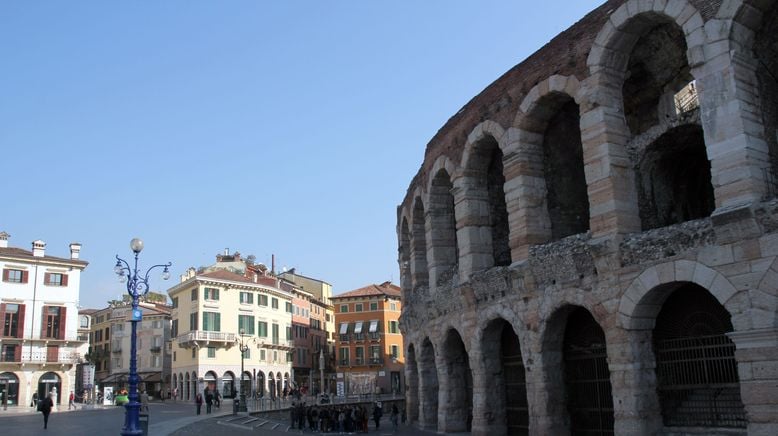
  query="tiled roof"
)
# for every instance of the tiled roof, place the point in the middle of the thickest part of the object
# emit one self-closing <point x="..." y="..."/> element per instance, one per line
<point x="386" y="288"/>
<point x="27" y="255"/>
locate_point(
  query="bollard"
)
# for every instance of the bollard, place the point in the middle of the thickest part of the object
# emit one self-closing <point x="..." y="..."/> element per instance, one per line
<point x="143" y="420"/>
<point x="235" y="403"/>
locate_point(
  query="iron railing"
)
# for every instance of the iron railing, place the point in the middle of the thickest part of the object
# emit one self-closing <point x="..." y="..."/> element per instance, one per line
<point x="698" y="383"/>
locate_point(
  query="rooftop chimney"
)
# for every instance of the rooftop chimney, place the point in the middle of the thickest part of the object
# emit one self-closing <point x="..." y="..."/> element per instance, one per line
<point x="4" y="239"/>
<point x="38" y="248"/>
<point x="75" y="250"/>
<point x="226" y="251"/>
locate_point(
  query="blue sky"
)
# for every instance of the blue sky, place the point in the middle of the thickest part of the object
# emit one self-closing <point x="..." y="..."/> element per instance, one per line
<point x="289" y="127"/>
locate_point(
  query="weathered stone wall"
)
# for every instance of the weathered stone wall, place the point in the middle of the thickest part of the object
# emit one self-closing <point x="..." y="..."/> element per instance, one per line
<point x="649" y="232"/>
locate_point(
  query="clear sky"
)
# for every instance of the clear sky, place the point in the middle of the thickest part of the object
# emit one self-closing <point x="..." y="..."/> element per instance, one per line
<point x="283" y="127"/>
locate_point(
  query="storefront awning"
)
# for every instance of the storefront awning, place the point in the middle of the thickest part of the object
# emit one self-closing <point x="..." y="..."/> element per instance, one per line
<point x="344" y="328"/>
<point x="358" y="327"/>
<point x="373" y="326"/>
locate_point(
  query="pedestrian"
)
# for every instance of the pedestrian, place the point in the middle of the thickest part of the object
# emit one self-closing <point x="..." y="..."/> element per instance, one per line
<point x="377" y="413"/>
<point x="144" y="402"/>
<point x="175" y="394"/>
<point x="45" y="406"/>
<point x="394" y="416"/>
<point x="71" y="400"/>
<point x="208" y="401"/>
<point x="34" y="401"/>
<point x="217" y="399"/>
<point x="199" y="402"/>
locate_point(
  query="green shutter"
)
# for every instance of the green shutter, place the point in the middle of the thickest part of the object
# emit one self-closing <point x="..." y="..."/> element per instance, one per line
<point x="218" y="323"/>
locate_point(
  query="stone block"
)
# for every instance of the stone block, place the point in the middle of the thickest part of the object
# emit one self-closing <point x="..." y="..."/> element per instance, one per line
<point x="768" y="245"/>
<point x="714" y="255"/>
<point x="684" y="270"/>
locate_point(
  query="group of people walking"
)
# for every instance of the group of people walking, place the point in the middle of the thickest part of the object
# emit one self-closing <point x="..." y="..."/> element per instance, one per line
<point x="210" y="397"/>
<point x="345" y="418"/>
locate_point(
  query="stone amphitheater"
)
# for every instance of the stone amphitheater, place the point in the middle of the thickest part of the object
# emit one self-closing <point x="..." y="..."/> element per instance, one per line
<point x="590" y="244"/>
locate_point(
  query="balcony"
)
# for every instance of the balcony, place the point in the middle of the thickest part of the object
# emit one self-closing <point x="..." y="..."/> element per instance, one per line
<point x="62" y="357"/>
<point x="359" y="361"/>
<point x="375" y="336"/>
<point x="376" y="361"/>
<point x="359" y="337"/>
<point x="344" y="338"/>
<point x="277" y="344"/>
<point x="343" y="362"/>
<point x="202" y="338"/>
<point x="156" y="349"/>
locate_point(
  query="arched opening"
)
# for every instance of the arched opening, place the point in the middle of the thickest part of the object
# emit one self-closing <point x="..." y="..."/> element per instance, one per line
<point x="766" y="53"/>
<point x="228" y="385"/>
<point x="412" y="380"/>
<point x="187" y="386"/>
<point x="210" y="379"/>
<point x="587" y="377"/>
<point x="657" y="70"/>
<point x="508" y="385"/>
<point x="271" y="385"/>
<point x="279" y="384"/>
<point x="406" y="280"/>
<point x="487" y="163"/>
<point x="50" y="383"/>
<point x="9" y="389"/>
<point x="428" y="386"/>
<point x="459" y="384"/>
<point x="246" y="383"/>
<point x="566" y="192"/>
<point x="419" y="247"/>
<point x="697" y="377"/>
<point x="675" y="179"/>
<point x="260" y="384"/>
<point x="194" y="384"/>
<point x="443" y="231"/>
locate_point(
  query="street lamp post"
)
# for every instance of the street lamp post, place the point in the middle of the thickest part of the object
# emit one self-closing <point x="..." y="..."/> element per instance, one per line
<point x="243" y="346"/>
<point x="321" y="369"/>
<point x="137" y="286"/>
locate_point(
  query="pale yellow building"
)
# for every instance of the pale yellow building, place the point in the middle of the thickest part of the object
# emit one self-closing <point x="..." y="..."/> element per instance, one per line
<point x="210" y="308"/>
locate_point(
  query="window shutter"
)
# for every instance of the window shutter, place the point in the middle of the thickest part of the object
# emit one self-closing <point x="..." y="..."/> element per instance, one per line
<point x="25" y="276"/>
<point x="2" y="319"/>
<point x="44" y="316"/>
<point x="64" y="279"/>
<point x="46" y="278"/>
<point x="63" y="311"/>
<point x="21" y="322"/>
<point x="5" y="275"/>
<point x="218" y="322"/>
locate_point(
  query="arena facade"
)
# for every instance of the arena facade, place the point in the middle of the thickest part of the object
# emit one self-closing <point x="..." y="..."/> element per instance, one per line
<point x="590" y="245"/>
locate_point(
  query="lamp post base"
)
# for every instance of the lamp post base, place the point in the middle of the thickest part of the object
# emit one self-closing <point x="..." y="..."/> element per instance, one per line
<point x="242" y="404"/>
<point x="132" y="420"/>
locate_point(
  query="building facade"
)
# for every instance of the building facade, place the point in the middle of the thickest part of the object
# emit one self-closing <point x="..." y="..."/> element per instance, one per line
<point x="369" y="343"/>
<point x="211" y="309"/>
<point x="590" y="244"/>
<point x="39" y="341"/>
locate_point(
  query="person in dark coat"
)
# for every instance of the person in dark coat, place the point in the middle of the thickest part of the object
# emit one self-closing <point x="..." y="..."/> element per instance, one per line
<point x="208" y="401"/>
<point x="45" y="407"/>
<point x="199" y="402"/>
<point x="378" y="412"/>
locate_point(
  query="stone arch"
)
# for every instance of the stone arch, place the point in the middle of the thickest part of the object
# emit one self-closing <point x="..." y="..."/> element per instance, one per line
<point x="549" y="165"/>
<point x="443" y="250"/>
<point x="506" y="409"/>
<point x="480" y="196"/>
<point x="428" y="386"/>
<point x="643" y="299"/>
<point x="419" y="270"/>
<point x="412" y="383"/>
<point x="456" y="388"/>
<point x="404" y="257"/>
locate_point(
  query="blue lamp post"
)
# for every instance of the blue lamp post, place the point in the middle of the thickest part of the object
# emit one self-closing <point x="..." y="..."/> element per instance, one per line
<point x="137" y="286"/>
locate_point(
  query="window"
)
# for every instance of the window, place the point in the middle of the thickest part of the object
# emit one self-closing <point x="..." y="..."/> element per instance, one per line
<point x="247" y="353"/>
<point x="246" y="324"/>
<point x="174" y="328"/>
<point x="288" y="332"/>
<point x="194" y="352"/>
<point x="52" y="318"/>
<point x="262" y="329"/>
<point x="117" y="362"/>
<point x="373" y="306"/>
<point x="289" y="357"/>
<point x="343" y="331"/>
<point x="275" y="356"/>
<point x="262" y="355"/>
<point x="211" y="294"/>
<point x="344" y="356"/>
<point x="262" y="300"/>
<point x="358" y="307"/>
<point x="156" y="361"/>
<point x="212" y="321"/>
<point x="275" y="334"/>
<point x="289" y="308"/>
<point x="15" y="276"/>
<point x="83" y="321"/>
<point x="174" y="356"/>
<point x="55" y="279"/>
<point x="375" y="354"/>
<point x="14" y="315"/>
<point x="9" y="353"/>
<point x="359" y="356"/>
<point x="358" y="330"/>
<point x="175" y="303"/>
<point x="393" y="327"/>
<point x="395" y="352"/>
<point x="194" y="294"/>
<point x="274" y="302"/>
<point x="246" y="298"/>
<point x="343" y="308"/>
<point x="393" y="306"/>
<point x="193" y="321"/>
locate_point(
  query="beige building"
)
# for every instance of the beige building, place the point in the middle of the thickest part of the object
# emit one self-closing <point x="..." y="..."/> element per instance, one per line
<point x="210" y="309"/>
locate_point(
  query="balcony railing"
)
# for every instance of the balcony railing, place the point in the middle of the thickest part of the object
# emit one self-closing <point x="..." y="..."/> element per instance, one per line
<point x="191" y="337"/>
<point x="359" y="336"/>
<point x="376" y="360"/>
<point x="67" y="357"/>
<point x="343" y="362"/>
<point x="375" y="336"/>
<point x="359" y="361"/>
<point x="156" y="349"/>
<point x="344" y="338"/>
